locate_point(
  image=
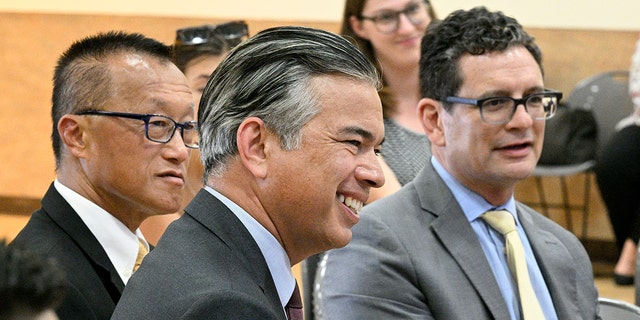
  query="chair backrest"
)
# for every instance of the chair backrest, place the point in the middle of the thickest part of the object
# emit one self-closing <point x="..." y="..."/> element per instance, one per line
<point x="607" y="96"/>
<point x="612" y="309"/>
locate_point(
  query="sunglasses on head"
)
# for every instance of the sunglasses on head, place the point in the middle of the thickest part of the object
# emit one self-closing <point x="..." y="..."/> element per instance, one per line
<point x="231" y="33"/>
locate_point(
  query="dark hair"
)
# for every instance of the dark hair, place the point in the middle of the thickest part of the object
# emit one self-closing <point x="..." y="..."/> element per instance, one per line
<point x="353" y="8"/>
<point x="82" y="76"/>
<point x="182" y="55"/>
<point x="268" y="76"/>
<point x="28" y="284"/>
<point x="476" y="32"/>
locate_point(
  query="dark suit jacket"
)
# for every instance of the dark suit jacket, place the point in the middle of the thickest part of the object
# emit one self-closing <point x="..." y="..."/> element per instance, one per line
<point x="205" y="266"/>
<point x="56" y="231"/>
<point x="414" y="255"/>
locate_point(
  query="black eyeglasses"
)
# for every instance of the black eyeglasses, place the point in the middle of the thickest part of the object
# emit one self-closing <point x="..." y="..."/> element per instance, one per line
<point x="499" y="110"/>
<point x="230" y="33"/>
<point x="388" y="21"/>
<point x="158" y="128"/>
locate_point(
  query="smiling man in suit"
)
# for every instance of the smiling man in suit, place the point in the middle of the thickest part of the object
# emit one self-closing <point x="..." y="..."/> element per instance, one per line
<point x="436" y="249"/>
<point x="291" y="127"/>
<point x="123" y="125"/>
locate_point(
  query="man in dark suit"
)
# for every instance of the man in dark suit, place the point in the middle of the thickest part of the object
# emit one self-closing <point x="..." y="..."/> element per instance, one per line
<point x="120" y="158"/>
<point x="290" y="125"/>
<point x="429" y="251"/>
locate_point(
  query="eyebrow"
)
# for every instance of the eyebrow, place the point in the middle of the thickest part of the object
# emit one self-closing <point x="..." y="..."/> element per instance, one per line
<point x="501" y="93"/>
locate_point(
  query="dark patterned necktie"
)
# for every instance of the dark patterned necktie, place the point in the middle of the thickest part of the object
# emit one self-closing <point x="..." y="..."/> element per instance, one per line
<point x="294" y="306"/>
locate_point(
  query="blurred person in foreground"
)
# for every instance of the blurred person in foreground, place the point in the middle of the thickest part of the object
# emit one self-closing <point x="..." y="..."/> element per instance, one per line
<point x="197" y="51"/>
<point x="30" y="287"/>
<point x="123" y="125"/>
<point x="291" y="128"/>
<point x="429" y="251"/>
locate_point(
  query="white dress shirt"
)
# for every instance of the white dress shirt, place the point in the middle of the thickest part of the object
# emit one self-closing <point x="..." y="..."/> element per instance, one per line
<point x="120" y="244"/>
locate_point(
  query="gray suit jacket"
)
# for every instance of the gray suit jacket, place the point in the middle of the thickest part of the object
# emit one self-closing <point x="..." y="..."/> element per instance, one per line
<point x="414" y="255"/>
<point x="205" y="266"/>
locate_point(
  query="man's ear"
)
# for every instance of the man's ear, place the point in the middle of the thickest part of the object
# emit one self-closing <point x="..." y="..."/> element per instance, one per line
<point x="430" y="113"/>
<point x="253" y="146"/>
<point x="72" y="130"/>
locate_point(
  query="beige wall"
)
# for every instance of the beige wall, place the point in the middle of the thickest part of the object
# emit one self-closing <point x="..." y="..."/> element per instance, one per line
<point x="612" y="15"/>
<point x="33" y="34"/>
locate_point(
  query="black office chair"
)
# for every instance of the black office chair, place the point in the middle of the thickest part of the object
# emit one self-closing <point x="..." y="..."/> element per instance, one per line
<point x="612" y="309"/>
<point x="606" y="95"/>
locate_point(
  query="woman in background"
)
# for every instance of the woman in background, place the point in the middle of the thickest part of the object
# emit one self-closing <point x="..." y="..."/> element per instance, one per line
<point x="197" y="52"/>
<point x="618" y="176"/>
<point x="389" y="33"/>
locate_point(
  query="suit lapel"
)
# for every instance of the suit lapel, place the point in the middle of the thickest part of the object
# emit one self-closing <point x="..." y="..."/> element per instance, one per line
<point x="224" y="224"/>
<point x="552" y="256"/>
<point x="59" y="211"/>
<point x="458" y="238"/>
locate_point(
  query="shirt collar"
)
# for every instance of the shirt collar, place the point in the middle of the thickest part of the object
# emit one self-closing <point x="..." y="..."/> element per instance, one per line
<point x="272" y="251"/>
<point x="473" y="205"/>
<point x="120" y="244"/>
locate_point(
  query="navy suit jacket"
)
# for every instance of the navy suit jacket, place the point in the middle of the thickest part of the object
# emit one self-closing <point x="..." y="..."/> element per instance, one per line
<point x="56" y="231"/>
<point x="205" y="266"/>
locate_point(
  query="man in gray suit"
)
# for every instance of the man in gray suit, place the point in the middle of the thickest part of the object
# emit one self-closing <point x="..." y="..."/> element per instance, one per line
<point x="290" y="125"/>
<point x="426" y="252"/>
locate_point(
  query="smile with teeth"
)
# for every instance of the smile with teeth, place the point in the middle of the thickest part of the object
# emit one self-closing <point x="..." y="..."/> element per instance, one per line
<point x="354" y="204"/>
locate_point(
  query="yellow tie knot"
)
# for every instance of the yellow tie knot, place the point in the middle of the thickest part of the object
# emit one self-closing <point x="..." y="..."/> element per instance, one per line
<point x="501" y="220"/>
<point x="142" y="251"/>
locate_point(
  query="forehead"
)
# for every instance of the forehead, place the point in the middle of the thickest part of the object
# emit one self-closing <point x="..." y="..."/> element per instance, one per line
<point x="375" y="5"/>
<point x="511" y="70"/>
<point x="202" y="65"/>
<point x="142" y="82"/>
<point x="347" y="102"/>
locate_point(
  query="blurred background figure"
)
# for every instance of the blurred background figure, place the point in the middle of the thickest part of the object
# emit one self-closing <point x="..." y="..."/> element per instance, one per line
<point x="30" y="288"/>
<point x="197" y="51"/>
<point x="389" y="32"/>
<point x="618" y="176"/>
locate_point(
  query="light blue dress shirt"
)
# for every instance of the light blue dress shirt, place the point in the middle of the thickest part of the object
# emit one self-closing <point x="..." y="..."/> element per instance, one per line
<point x="492" y="242"/>
<point x="274" y="254"/>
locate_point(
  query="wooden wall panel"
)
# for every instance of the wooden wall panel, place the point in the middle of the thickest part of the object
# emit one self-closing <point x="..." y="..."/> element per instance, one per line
<point x="572" y="55"/>
<point x="29" y="47"/>
<point x="31" y="43"/>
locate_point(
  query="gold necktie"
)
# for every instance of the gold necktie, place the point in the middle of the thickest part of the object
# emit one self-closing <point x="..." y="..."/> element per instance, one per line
<point x="503" y="222"/>
<point x="142" y="251"/>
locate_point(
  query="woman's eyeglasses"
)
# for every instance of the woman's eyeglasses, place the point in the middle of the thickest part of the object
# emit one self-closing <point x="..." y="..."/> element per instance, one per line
<point x="388" y="21"/>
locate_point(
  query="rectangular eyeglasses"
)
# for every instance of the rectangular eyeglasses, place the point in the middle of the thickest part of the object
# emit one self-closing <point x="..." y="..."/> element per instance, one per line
<point x="499" y="110"/>
<point x="158" y="128"/>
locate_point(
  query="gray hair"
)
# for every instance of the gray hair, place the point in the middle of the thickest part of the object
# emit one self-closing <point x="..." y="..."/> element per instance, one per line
<point x="268" y="76"/>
